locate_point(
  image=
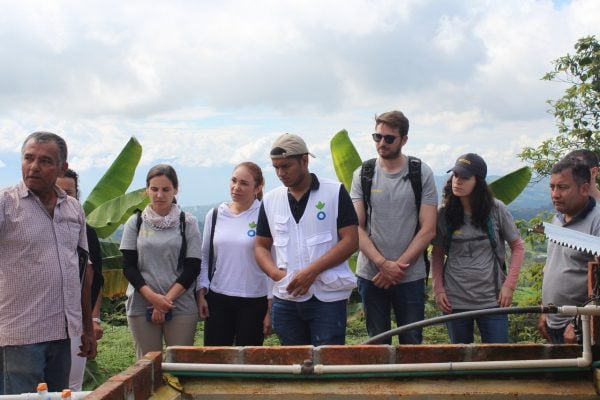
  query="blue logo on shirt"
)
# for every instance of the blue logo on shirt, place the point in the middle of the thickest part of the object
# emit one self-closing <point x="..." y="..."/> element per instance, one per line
<point x="321" y="214"/>
<point x="252" y="231"/>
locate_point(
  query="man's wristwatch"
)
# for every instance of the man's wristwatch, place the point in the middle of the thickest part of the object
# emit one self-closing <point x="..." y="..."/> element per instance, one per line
<point x="95" y="319"/>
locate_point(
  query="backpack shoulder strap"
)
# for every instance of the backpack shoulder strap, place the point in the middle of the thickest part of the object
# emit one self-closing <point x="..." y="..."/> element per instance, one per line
<point x="414" y="175"/>
<point x="367" y="171"/>
<point x="211" y="249"/>
<point x="492" y="238"/>
<point x="138" y="221"/>
<point x="490" y="231"/>
<point x="183" y="250"/>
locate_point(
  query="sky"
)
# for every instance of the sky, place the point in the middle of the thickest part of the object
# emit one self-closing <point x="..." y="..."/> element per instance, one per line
<point x="204" y="85"/>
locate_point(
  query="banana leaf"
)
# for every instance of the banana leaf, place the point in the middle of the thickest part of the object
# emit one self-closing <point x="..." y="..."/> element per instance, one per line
<point x="117" y="178"/>
<point x="508" y="187"/>
<point x="111" y="255"/>
<point x="345" y="157"/>
<point x="107" y="217"/>
<point x="115" y="283"/>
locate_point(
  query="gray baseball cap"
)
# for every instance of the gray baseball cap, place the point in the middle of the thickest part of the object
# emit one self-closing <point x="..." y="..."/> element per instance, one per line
<point x="288" y="145"/>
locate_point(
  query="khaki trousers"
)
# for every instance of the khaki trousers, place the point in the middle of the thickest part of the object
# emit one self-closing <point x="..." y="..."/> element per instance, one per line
<point x="148" y="336"/>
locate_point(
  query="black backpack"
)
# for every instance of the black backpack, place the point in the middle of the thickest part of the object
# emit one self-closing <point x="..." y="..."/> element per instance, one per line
<point x="414" y="175"/>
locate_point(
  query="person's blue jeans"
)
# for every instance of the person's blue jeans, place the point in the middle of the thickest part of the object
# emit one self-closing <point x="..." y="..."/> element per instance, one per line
<point x="23" y="367"/>
<point x="309" y="322"/>
<point x="407" y="300"/>
<point x="493" y="328"/>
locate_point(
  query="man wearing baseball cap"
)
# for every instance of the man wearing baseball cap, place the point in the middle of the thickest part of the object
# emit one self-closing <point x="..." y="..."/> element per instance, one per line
<point x="312" y="227"/>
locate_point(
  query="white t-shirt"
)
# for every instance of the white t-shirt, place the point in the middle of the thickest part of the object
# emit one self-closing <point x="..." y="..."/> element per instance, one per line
<point x="236" y="272"/>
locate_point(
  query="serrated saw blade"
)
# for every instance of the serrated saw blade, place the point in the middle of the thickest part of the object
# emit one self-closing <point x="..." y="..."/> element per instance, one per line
<point x="572" y="239"/>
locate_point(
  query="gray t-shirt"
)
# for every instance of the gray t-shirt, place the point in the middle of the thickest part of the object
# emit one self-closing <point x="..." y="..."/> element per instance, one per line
<point x="472" y="274"/>
<point x="158" y="254"/>
<point x="393" y="217"/>
<point x="565" y="272"/>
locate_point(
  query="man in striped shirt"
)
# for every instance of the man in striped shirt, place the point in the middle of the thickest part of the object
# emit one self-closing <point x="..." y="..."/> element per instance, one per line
<point x="40" y="293"/>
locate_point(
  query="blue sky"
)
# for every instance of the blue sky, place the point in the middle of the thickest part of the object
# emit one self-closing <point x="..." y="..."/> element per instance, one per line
<point x="205" y="85"/>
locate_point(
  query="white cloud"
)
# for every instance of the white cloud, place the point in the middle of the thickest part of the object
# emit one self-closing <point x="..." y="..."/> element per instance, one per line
<point x="204" y="84"/>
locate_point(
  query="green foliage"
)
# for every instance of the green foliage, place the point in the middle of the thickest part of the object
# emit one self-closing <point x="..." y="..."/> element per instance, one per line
<point x="577" y="112"/>
<point x="117" y="178"/>
<point x="345" y="157"/>
<point x="115" y="283"/>
<point x="508" y="187"/>
<point x="108" y="206"/>
<point x="111" y="214"/>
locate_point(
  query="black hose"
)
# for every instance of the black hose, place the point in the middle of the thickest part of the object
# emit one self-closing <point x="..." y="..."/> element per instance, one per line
<point x="467" y="314"/>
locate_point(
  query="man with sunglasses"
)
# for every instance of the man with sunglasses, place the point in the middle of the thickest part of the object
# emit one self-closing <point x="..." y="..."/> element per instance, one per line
<point x="393" y="233"/>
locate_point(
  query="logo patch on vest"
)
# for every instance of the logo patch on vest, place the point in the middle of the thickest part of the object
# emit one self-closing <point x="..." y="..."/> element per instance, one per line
<point x="321" y="214"/>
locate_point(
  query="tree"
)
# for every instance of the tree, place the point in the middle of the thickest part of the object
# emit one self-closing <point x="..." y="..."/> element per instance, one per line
<point x="108" y="206"/>
<point x="577" y="112"/>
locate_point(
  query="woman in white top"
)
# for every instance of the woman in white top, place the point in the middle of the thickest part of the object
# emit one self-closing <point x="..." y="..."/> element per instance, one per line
<point x="232" y="292"/>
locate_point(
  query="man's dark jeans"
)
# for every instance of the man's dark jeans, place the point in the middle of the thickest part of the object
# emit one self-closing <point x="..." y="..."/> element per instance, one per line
<point x="23" y="367"/>
<point x="407" y="300"/>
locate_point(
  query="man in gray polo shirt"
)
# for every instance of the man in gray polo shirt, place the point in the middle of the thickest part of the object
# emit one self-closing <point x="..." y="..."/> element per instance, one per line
<point x="565" y="272"/>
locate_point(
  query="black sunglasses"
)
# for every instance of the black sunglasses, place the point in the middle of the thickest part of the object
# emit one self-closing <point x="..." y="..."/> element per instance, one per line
<point x="389" y="139"/>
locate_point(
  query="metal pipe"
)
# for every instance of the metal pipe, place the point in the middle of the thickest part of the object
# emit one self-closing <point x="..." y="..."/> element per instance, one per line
<point x="550" y="309"/>
<point x="467" y="314"/>
<point x="582" y="362"/>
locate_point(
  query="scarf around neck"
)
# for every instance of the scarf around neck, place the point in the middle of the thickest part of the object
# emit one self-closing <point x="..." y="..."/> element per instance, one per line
<point x="159" y="222"/>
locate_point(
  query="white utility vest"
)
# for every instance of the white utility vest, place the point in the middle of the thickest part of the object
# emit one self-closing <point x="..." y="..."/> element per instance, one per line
<point x="298" y="244"/>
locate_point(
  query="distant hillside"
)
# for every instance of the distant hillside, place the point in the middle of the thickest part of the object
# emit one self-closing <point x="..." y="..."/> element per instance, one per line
<point x="200" y="213"/>
<point x="533" y="200"/>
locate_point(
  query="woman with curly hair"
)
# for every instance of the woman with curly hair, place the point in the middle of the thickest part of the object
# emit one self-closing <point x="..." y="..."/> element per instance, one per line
<point x="468" y="256"/>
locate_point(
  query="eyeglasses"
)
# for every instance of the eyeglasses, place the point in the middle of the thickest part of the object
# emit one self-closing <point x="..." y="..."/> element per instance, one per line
<point x="389" y="139"/>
